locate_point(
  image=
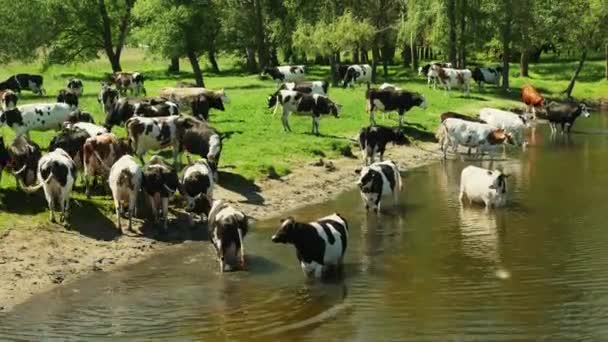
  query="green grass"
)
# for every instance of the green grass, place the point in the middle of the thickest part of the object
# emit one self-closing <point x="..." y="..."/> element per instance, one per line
<point x="256" y="141"/>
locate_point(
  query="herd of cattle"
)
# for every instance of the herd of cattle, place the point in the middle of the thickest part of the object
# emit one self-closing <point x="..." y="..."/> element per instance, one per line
<point x="152" y="124"/>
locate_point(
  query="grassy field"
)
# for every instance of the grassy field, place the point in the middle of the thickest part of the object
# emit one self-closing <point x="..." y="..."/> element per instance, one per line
<point x="256" y="141"/>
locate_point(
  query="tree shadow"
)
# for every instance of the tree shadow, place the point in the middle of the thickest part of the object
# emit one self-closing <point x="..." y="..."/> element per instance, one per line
<point x="245" y="87"/>
<point x="241" y="185"/>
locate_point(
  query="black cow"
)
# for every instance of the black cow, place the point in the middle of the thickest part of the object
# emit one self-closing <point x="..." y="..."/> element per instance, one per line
<point x="202" y="104"/>
<point x="20" y="82"/>
<point x="68" y="97"/>
<point x="71" y="140"/>
<point x="389" y="99"/>
<point x="565" y="114"/>
<point x="464" y="117"/>
<point x="75" y="86"/>
<point x="320" y="245"/>
<point x="196" y="186"/>
<point x="204" y="141"/>
<point x="80" y="116"/>
<point x="341" y="70"/>
<point x="159" y="183"/>
<point x="122" y="111"/>
<point x="373" y="140"/>
<point x="9" y="99"/>
<point x="24" y="156"/>
<point x="316" y="105"/>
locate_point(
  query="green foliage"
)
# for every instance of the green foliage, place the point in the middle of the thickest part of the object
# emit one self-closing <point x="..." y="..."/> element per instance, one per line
<point x="21" y="29"/>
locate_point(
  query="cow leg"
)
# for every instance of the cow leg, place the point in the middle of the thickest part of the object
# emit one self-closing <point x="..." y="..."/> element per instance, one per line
<point x="66" y="210"/>
<point x="243" y="264"/>
<point x="372" y="119"/>
<point x="165" y="209"/>
<point x="400" y="119"/>
<point x="52" y="209"/>
<point x="117" y="209"/>
<point x="285" y="122"/>
<point x="315" y="124"/>
<point x="87" y="189"/>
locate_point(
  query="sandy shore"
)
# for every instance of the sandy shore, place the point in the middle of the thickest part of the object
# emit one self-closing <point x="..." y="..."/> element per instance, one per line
<point x="36" y="260"/>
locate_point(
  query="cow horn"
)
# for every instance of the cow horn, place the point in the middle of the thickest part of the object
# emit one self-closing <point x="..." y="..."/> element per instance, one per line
<point x="172" y="191"/>
<point x="20" y="170"/>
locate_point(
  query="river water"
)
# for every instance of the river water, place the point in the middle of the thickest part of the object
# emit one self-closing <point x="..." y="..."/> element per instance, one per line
<point x="427" y="269"/>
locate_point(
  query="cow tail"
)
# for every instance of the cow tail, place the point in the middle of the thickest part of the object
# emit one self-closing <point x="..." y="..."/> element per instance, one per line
<point x="215" y="209"/>
<point x="441" y="132"/>
<point x="103" y="164"/>
<point x="398" y="178"/>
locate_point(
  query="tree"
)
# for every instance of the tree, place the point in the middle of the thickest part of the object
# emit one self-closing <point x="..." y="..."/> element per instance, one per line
<point x="19" y="39"/>
<point x="78" y="29"/>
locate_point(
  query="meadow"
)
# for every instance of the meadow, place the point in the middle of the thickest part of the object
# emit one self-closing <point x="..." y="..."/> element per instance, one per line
<point x="256" y="145"/>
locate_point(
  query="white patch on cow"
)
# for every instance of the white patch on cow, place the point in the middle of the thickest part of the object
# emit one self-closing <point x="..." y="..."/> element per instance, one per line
<point x="481" y="186"/>
<point x="510" y="122"/>
<point x="312" y="269"/>
<point x="214" y="147"/>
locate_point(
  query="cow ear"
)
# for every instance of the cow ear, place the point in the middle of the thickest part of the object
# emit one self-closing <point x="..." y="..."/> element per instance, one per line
<point x="492" y="186"/>
<point x="489" y="172"/>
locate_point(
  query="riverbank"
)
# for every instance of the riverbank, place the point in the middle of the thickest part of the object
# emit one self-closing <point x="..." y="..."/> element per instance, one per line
<point x="37" y="260"/>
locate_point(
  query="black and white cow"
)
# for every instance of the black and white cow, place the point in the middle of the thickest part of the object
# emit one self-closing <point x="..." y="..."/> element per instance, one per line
<point x="122" y="111"/>
<point x="379" y="180"/>
<point x="288" y="73"/>
<point x="227" y="227"/>
<point x="320" y="245"/>
<point x="210" y="99"/>
<point x="204" y="141"/>
<point x="341" y="70"/>
<point x="20" y="82"/>
<point x="316" y="105"/>
<point x="36" y="117"/>
<point x="134" y="82"/>
<point x="357" y="73"/>
<point x="107" y="97"/>
<point x="392" y="100"/>
<point x="5" y="158"/>
<point x="196" y="185"/>
<point x="155" y="108"/>
<point x="373" y="140"/>
<point x="565" y="114"/>
<point x="430" y="78"/>
<point x="9" y="99"/>
<point x="314" y="87"/>
<point x="487" y="75"/>
<point x="159" y="182"/>
<point x="75" y="86"/>
<point x="56" y="175"/>
<point x="24" y="156"/>
<point x="65" y="96"/>
<point x="125" y="181"/>
<point x="80" y="116"/>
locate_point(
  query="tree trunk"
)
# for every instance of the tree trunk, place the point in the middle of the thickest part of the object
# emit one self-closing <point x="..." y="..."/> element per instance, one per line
<point x="524" y="63"/>
<point x="364" y="56"/>
<point x="451" y="13"/>
<point x="431" y="54"/>
<point x="333" y="72"/>
<point x="606" y="52"/>
<point x="211" y="55"/>
<point x="570" y="88"/>
<point x="406" y="54"/>
<point x="506" y="43"/>
<point x="112" y="52"/>
<point x="274" y="56"/>
<point x="375" y="58"/>
<point x="413" y="53"/>
<point x="356" y="57"/>
<point x="252" y="65"/>
<point x="196" y="68"/>
<point x="386" y="58"/>
<point x="462" y="62"/>
<point x="174" y="66"/>
<point x="259" y="35"/>
<point x="115" y="62"/>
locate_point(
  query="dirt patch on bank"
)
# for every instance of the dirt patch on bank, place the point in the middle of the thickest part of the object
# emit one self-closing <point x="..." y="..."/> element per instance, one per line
<point x="37" y="259"/>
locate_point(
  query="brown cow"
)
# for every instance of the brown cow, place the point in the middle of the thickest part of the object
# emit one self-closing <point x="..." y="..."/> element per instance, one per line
<point x="532" y="99"/>
<point x="99" y="154"/>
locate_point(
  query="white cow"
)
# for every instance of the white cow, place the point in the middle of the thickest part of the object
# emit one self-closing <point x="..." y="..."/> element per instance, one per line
<point x="483" y="186"/>
<point x="510" y="122"/>
<point x="36" y="117"/>
<point x="125" y="182"/>
<point x="455" y="132"/>
<point x="449" y="78"/>
<point x="358" y="73"/>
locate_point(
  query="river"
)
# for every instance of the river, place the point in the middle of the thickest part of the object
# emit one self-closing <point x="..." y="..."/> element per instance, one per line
<point x="427" y="269"/>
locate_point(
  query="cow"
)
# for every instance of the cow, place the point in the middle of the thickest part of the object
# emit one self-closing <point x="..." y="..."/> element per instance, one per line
<point x="5" y="158"/>
<point x="377" y="181"/>
<point x="100" y="152"/>
<point x="341" y="70"/>
<point x="510" y="122"/>
<point x="565" y="114"/>
<point x="453" y="115"/>
<point x="122" y="110"/>
<point x="449" y="78"/>
<point x="184" y="97"/>
<point x="146" y="134"/>
<point x="456" y="132"/>
<point x="75" y="86"/>
<point x="212" y="99"/>
<point x="56" y="175"/>
<point x="9" y="99"/>
<point x="91" y="128"/>
<point x="532" y="99"/>
<point x="37" y="117"/>
<point x="204" y="141"/>
<point x="71" y="139"/>
<point x="65" y="96"/>
<point x="20" y="82"/>
<point x="288" y="73"/>
<point x="430" y="79"/>
<point x="357" y="73"/>
<point x="154" y="108"/>
<point x="484" y="186"/>
<point x="196" y="185"/>
<point x="389" y="99"/>
<point x="134" y="82"/>
<point x="159" y="183"/>
<point x="316" y="105"/>
<point x="125" y="181"/>
<point x="314" y="87"/>
<point x="320" y="245"/>
<point x="107" y="97"/>
<point x="487" y="75"/>
<point x="373" y="140"/>
<point x="227" y="228"/>
<point x="24" y="155"/>
<point x="80" y="116"/>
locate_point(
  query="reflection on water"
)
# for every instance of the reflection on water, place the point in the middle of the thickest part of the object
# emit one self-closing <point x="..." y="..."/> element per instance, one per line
<point x="426" y="269"/>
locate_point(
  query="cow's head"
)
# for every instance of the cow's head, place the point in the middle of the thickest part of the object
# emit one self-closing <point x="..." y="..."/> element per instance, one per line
<point x="499" y="136"/>
<point x="123" y="147"/>
<point x="68" y="98"/>
<point x="584" y="110"/>
<point x="287" y="232"/>
<point x="272" y="100"/>
<point x="223" y="96"/>
<point x="335" y="109"/>
<point x="500" y="181"/>
<point x="9" y="99"/>
<point x="419" y="100"/>
<point x="349" y="77"/>
<point x="399" y="137"/>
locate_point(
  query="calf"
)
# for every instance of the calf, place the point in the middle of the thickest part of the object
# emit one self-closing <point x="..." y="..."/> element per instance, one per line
<point x="390" y="99"/>
<point x="24" y="156"/>
<point x="532" y="99"/>
<point x="320" y="245"/>
<point x="449" y="78"/>
<point x="456" y="132"/>
<point x="510" y="122"/>
<point x="316" y="105"/>
<point x="373" y="140"/>
<point x="75" y="86"/>
<point x="464" y="117"/>
<point x="100" y="152"/>
<point x="56" y="175"/>
<point x="134" y="82"/>
<point x="9" y="99"/>
<point x="71" y="139"/>
<point x="196" y="185"/>
<point x="431" y="78"/>
<point x="358" y="73"/>
<point x="125" y="182"/>
<point x="377" y="181"/>
<point x="107" y="97"/>
<point x="487" y="75"/>
<point x="565" y="114"/>
<point x="205" y="142"/>
<point x="484" y="186"/>
<point x="20" y="82"/>
<point x="210" y="99"/>
<point x="288" y="73"/>
<point x="65" y="96"/>
<point x="37" y="117"/>
<point x="159" y="183"/>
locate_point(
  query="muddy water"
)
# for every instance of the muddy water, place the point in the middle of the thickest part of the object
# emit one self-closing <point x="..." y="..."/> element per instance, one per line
<point x="426" y="270"/>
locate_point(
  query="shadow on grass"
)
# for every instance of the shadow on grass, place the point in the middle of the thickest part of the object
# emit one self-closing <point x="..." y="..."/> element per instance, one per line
<point x="16" y="201"/>
<point x="241" y="185"/>
<point x="418" y="132"/>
